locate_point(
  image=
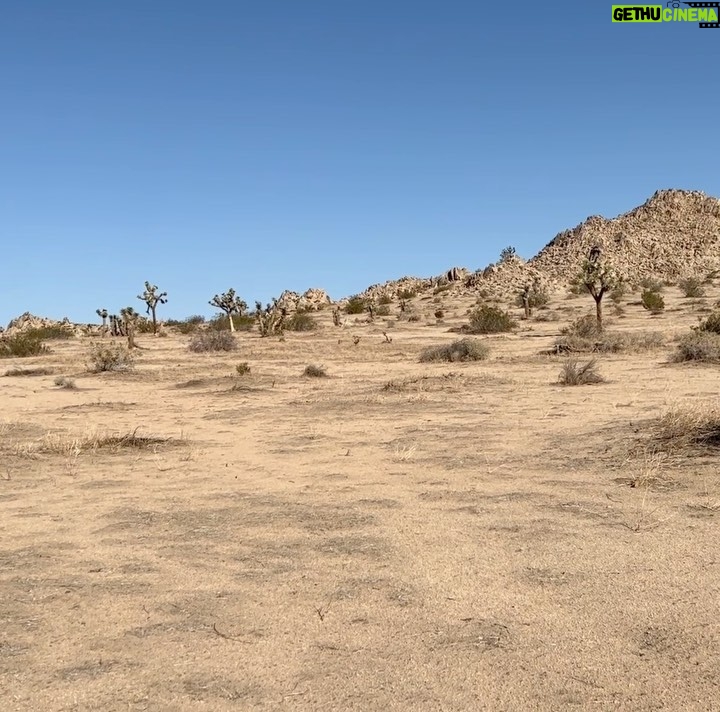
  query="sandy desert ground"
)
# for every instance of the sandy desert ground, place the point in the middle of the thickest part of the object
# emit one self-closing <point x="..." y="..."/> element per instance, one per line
<point x="396" y="536"/>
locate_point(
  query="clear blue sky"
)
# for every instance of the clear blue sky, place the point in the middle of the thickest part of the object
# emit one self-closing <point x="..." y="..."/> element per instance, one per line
<point x="330" y="143"/>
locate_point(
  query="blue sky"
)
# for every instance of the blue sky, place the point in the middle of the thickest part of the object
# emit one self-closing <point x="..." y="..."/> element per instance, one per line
<point x="328" y="143"/>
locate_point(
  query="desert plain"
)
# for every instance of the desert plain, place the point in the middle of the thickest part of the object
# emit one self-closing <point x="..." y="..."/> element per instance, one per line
<point x="397" y="535"/>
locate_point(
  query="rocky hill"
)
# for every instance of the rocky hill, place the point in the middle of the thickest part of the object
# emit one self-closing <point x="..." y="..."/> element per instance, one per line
<point x="675" y="233"/>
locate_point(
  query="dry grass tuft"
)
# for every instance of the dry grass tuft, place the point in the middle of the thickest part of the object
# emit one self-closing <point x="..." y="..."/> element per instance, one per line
<point x="574" y="373"/>
<point x="66" y="383"/>
<point x="688" y="427"/>
<point x="461" y="350"/>
<point x="109" y="357"/>
<point x="38" y="371"/>
<point x="312" y="371"/>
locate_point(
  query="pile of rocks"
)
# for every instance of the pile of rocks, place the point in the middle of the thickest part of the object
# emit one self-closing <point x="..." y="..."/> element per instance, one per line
<point x="29" y="322"/>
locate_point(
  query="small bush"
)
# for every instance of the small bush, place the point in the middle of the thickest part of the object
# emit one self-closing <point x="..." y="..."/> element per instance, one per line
<point x="382" y="310"/>
<point x="414" y="317"/>
<point x="407" y="293"/>
<point x="585" y="327"/>
<point x="385" y="299"/>
<point x="461" y="350"/>
<point x="699" y="346"/>
<point x="356" y="305"/>
<point x="538" y="298"/>
<point x="243" y="368"/>
<point x="22" y="345"/>
<point x="187" y="326"/>
<point x="144" y="326"/>
<point x="618" y="294"/>
<point x="441" y="288"/>
<point x="650" y="284"/>
<point x="653" y="302"/>
<point x="583" y="337"/>
<point x="315" y="372"/>
<point x="490" y="320"/>
<point x="574" y="373"/>
<point x="691" y="287"/>
<point x="64" y="382"/>
<point x="109" y="357"/>
<point x="300" y="321"/>
<point x="682" y="427"/>
<point x="711" y="324"/>
<point x="439" y="314"/>
<point x="39" y="371"/>
<point x="212" y="341"/>
<point x="242" y="322"/>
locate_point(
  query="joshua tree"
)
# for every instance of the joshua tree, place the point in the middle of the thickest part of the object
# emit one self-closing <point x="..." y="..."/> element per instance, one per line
<point x="152" y="299"/>
<point x="103" y="314"/>
<point x="336" y="317"/>
<point x="598" y="277"/>
<point x="507" y="253"/>
<point x="271" y="320"/>
<point x="116" y="327"/>
<point x="129" y="318"/>
<point x="230" y="304"/>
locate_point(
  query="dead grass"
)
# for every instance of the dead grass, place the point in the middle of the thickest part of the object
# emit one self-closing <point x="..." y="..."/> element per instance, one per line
<point x="574" y="373"/>
<point x="313" y="371"/>
<point x="37" y="371"/>
<point x="689" y="427"/>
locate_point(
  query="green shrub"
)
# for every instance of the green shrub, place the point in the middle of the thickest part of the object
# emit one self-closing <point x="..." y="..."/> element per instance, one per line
<point x="385" y="299"/>
<point x="618" y="294"/>
<point x="187" y="326"/>
<point x="538" y="298"/>
<point x="300" y="321"/>
<point x="490" y="320"/>
<point x="221" y="322"/>
<point x="382" y="310"/>
<point x="583" y="336"/>
<point x="356" y="305"/>
<point x="213" y="341"/>
<point x="461" y="350"/>
<point x="109" y="357"/>
<point x="650" y="284"/>
<point x="653" y="302"/>
<point x="407" y="293"/>
<point x="54" y="331"/>
<point x="691" y="287"/>
<point x="439" y="314"/>
<point x="585" y="327"/>
<point x="143" y="326"/>
<point x="22" y="345"/>
<point x="574" y="373"/>
<point x="699" y="346"/>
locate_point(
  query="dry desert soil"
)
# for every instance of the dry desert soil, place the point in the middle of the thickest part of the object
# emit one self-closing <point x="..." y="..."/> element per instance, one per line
<point x="396" y="536"/>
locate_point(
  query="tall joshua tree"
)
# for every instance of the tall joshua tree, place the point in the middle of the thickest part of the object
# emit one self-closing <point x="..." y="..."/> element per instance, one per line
<point x="598" y="277"/>
<point x="151" y="297"/>
<point x="230" y="304"/>
<point x="103" y="314"/>
<point x="129" y="318"/>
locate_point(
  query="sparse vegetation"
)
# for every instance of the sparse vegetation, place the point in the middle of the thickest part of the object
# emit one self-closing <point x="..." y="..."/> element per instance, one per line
<point x="583" y="336"/>
<point x="711" y="323"/>
<point x="460" y="350"/>
<point x="187" y="326"/>
<point x="51" y="332"/>
<point x="651" y="284"/>
<point x="109" y="357"/>
<point x="691" y="287"/>
<point x="242" y="369"/>
<point x="685" y="427"/>
<point x="699" y="346"/>
<point x="574" y="373"/>
<point x="312" y="371"/>
<point x="653" y="302"/>
<point x="22" y="345"/>
<point x="206" y="341"/>
<point x="407" y="293"/>
<point x="489" y="320"/>
<point x="38" y="371"/>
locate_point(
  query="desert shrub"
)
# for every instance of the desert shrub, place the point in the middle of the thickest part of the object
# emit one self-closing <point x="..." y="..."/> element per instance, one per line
<point x="507" y="253"/>
<point x="54" y="331"/>
<point x="385" y="299"/>
<point x="414" y="317"/>
<point x="144" y="326"/>
<point x="574" y="373"/>
<point x="538" y="298"/>
<point x="547" y="316"/>
<point x="187" y="326"/>
<point x="356" y="305"/>
<point x="441" y="288"/>
<point x="461" y="350"/>
<point x="300" y="321"/>
<point x="688" y="427"/>
<point x="38" y="371"/>
<point x="653" y="301"/>
<point x="243" y="368"/>
<point x="490" y="320"/>
<point x="382" y="310"/>
<point x="212" y="341"/>
<point x="583" y="336"/>
<point x="221" y="322"/>
<point x="109" y="357"/>
<point x="618" y="294"/>
<point x="22" y="345"/>
<point x="585" y="327"/>
<point x="699" y="346"/>
<point x="66" y="383"/>
<point x="312" y="371"/>
<point x="650" y="284"/>
<point x="406" y="293"/>
<point x="691" y="287"/>
<point x="711" y="323"/>
<point x="439" y="314"/>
